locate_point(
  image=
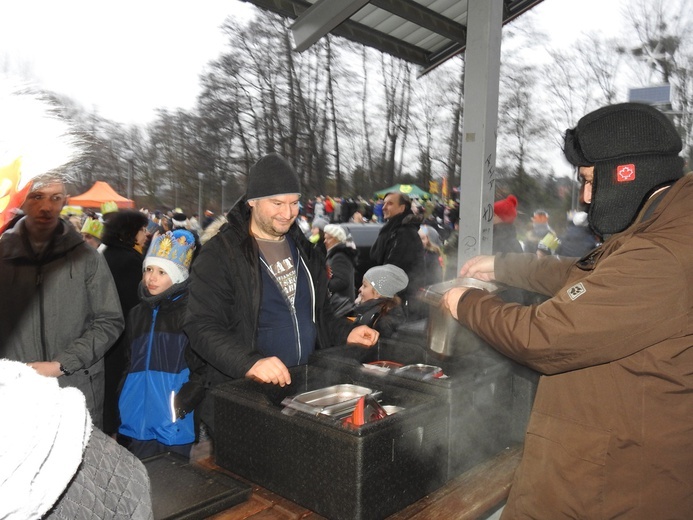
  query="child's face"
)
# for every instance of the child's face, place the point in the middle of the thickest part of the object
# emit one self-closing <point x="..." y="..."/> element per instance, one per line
<point x="156" y="280"/>
<point x="367" y="291"/>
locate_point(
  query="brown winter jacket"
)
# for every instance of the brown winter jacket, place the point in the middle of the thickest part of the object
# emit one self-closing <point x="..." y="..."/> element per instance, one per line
<point x="611" y="430"/>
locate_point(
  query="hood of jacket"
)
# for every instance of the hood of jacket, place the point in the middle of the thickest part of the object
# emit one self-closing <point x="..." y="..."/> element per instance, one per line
<point x="171" y="297"/>
<point x="349" y="252"/>
<point x="16" y="245"/>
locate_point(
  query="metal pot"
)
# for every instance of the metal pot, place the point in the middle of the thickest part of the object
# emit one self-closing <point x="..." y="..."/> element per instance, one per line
<point x="442" y="327"/>
<point x="441" y="331"/>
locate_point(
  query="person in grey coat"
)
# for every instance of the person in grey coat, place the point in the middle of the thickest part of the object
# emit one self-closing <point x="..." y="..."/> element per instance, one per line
<point x="54" y="465"/>
<point x="59" y="305"/>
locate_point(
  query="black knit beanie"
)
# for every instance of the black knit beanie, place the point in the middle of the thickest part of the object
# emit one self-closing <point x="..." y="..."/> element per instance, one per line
<point x="272" y="175"/>
<point x="634" y="150"/>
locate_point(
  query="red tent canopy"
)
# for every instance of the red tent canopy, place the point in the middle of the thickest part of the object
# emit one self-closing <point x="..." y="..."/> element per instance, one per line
<point x="99" y="193"/>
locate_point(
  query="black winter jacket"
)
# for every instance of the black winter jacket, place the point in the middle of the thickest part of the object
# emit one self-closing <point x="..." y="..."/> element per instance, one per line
<point x="577" y="242"/>
<point x="505" y="238"/>
<point x="398" y="243"/>
<point x="341" y="266"/>
<point x="125" y="264"/>
<point x="225" y="294"/>
<point x="371" y="313"/>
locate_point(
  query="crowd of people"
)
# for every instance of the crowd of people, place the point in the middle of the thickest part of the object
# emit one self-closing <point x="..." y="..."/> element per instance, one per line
<point x="415" y="247"/>
<point x="144" y="313"/>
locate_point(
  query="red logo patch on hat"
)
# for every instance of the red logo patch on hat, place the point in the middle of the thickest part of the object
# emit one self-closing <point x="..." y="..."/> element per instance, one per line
<point x="625" y="173"/>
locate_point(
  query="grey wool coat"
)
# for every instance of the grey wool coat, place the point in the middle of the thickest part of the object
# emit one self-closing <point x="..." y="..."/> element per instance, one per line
<point x="62" y="306"/>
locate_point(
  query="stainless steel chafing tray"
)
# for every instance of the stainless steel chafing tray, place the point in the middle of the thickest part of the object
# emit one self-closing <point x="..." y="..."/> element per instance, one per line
<point x="332" y="400"/>
<point x="421" y="371"/>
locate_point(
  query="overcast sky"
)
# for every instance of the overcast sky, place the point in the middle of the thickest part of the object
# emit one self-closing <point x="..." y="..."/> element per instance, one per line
<point x="124" y="59"/>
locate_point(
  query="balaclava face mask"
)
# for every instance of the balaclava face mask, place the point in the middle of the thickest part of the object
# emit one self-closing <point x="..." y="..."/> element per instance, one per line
<point x="634" y="150"/>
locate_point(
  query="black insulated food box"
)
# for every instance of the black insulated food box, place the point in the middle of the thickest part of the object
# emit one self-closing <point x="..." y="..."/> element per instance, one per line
<point x="336" y="471"/>
<point x="486" y="396"/>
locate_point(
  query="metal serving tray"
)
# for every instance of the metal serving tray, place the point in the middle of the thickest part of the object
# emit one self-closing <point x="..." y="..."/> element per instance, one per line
<point x="420" y="371"/>
<point x="332" y="400"/>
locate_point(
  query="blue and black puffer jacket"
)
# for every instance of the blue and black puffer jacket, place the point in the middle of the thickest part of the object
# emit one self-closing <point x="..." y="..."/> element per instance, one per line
<point x="159" y="371"/>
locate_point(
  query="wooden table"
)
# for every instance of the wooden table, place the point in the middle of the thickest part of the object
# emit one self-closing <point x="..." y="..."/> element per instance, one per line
<point x="467" y="497"/>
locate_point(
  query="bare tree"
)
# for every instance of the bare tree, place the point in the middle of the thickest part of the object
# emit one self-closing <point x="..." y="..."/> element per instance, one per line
<point x="364" y="112"/>
<point x="664" y="51"/>
<point x="175" y="159"/>
<point x="601" y="63"/>
<point x="522" y="128"/>
<point x="326" y="111"/>
<point x="333" y="115"/>
<point x="453" y="161"/>
<point x="428" y="109"/>
<point x="397" y="97"/>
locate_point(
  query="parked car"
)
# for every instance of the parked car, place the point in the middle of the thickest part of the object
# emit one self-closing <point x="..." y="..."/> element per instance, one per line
<point x="363" y="236"/>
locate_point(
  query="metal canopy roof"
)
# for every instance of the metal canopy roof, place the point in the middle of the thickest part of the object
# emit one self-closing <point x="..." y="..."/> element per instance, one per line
<point x="426" y="33"/>
<point x="423" y="32"/>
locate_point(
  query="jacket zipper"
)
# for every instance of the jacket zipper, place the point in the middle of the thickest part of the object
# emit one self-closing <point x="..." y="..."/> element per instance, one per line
<point x="312" y="293"/>
<point x="42" y="318"/>
<point x="155" y="311"/>
<point x="297" y="331"/>
<point x="312" y="289"/>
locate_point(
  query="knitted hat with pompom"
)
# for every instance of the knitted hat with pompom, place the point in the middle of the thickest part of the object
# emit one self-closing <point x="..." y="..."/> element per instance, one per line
<point x="506" y="209"/>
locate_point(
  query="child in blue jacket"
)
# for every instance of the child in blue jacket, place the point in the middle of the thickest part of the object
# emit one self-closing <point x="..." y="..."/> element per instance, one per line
<point x="160" y="391"/>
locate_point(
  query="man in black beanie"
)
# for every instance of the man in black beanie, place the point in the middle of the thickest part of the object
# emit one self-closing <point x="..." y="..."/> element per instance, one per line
<point x="610" y="433"/>
<point x="258" y="289"/>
